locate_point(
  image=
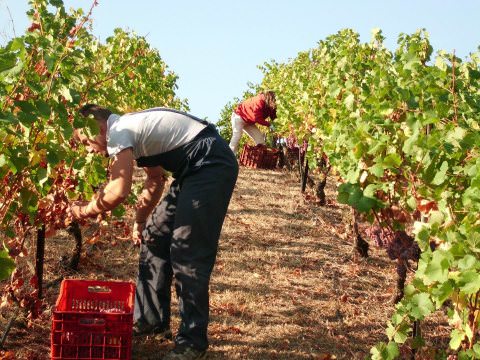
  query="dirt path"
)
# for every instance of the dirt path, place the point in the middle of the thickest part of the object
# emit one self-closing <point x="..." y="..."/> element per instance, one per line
<point x="286" y="284"/>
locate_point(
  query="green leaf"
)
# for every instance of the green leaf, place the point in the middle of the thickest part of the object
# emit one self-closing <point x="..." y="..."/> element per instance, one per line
<point x="52" y="158"/>
<point x="423" y="235"/>
<point x="65" y="92"/>
<point x="334" y="90"/>
<point x="429" y="117"/>
<point x="92" y="126"/>
<point x="377" y="170"/>
<point x="385" y="352"/>
<point x="410" y="61"/>
<point x="57" y="3"/>
<point x="353" y="195"/>
<point x="8" y="60"/>
<point x="442" y="293"/>
<point x="50" y="61"/>
<point x="441" y="175"/>
<point x="412" y="203"/>
<point x="437" y="268"/>
<point x="467" y="262"/>
<point x="440" y="63"/>
<point x="7" y="265"/>
<point x="349" y="101"/>
<point x="471" y="196"/>
<point x="3" y="160"/>
<point x="28" y="199"/>
<point x="409" y="145"/>
<point x="66" y="127"/>
<point x="42" y="176"/>
<point x="43" y="108"/>
<point x="18" y="159"/>
<point x="399" y="335"/>
<point x="469" y="282"/>
<point x="456" y="338"/>
<point x="119" y="211"/>
<point x="476" y="349"/>
<point x="436" y="217"/>
<point x="421" y="306"/>
<point x="392" y="161"/>
<point x="8" y="119"/>
<point x="27" y="107"/>
<point x="365" y="204"/>
<point x="466" y="355"/>
<point x="456" y="135"/>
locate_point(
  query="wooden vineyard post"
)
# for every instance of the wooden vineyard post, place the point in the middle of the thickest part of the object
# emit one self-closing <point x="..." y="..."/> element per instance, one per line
<point x="74" y="230"/>
<point x="39" y="259"/>
<point x="304" y="176"/>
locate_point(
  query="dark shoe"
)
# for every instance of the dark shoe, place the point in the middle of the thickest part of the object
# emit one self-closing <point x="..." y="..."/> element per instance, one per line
<point x="185" y="353"/>
<point x="152" y="331"/>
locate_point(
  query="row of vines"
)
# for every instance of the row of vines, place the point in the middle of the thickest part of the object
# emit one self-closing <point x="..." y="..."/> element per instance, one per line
<point x="401" y="130"/>
<point x="46" y="75"/>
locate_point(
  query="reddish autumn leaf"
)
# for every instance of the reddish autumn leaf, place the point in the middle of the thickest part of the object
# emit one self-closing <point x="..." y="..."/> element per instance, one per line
<point x="297" y="272"/>
<point x="18" y="283"/>
<point x="235" y="330"/>
<point x="33" y="27"/>
<point x="94" y="239"/>
<point x="73" y="31"/>
<point x="425" y="206"/>
<point x="325" y="357"/>
<point x="7" y="355"/>
<point x="34" y="281"/>
<point x="40" y="67"/>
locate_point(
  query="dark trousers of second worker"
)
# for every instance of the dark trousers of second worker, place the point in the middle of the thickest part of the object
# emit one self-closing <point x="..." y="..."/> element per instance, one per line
<point x="181" y="242"/>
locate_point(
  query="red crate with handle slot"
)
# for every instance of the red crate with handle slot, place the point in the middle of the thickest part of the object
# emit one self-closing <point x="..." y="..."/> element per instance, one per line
<point x="259" y="156"/>
<point x="93" y="319"/>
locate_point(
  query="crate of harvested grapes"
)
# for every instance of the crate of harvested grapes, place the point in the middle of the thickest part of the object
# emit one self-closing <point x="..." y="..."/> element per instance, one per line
<point x="259" y="156"/>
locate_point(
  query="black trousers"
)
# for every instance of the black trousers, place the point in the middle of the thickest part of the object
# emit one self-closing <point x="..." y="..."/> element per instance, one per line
<point x="180" y="240"/>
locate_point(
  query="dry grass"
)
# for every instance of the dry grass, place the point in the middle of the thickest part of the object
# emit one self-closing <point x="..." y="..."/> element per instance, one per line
<point x="286" y="284"/>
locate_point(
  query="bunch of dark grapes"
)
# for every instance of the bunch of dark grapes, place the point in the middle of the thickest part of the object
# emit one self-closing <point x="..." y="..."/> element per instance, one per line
<point x="380" y="235"/>
<point x="291" y="142"/>
<point x="398" y="244"/>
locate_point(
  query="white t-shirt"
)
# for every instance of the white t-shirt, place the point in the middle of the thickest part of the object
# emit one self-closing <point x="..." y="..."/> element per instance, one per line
<point x="151" y="132"/>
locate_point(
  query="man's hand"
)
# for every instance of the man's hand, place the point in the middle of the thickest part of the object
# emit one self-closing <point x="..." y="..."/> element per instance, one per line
<point x="77" y="210"/>
<point x="137" y="233"/>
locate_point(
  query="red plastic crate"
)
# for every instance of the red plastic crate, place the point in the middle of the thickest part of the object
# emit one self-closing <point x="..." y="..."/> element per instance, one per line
<point x="93" y="320"/>
<point x="259" y="156"/>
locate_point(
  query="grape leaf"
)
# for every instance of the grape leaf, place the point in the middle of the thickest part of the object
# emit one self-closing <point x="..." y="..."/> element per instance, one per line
<point x="7" y="265"/>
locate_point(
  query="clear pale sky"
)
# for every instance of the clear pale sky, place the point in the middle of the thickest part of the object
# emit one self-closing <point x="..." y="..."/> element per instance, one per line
<point x="215" y="46"/>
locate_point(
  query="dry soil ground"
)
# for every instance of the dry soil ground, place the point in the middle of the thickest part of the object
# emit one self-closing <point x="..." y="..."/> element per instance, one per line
<point x="286" y="284"/>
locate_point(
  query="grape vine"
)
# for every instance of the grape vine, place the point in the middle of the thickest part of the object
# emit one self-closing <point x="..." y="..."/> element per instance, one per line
<point x="46" y="75"/>
<point x="400" y="130"/>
